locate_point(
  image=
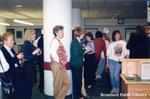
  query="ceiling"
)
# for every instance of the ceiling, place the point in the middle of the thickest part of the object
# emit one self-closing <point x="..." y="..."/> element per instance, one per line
<point x="99" y="9"/>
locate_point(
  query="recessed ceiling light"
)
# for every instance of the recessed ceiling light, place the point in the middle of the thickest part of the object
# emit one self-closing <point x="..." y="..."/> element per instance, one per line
<point x="18" y="5"/>
<point x="23" y="22"/>
<point x="5" y="24"/>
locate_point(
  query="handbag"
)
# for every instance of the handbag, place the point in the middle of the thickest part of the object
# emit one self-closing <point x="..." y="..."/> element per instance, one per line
<point x="7" y="85"/>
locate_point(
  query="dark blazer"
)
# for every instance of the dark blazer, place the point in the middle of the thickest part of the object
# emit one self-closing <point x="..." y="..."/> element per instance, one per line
<point x="16" y="75"/>
<point x="138" y="45"/>
<point x="76" y="52"/>
<point x="29" y="66"/>
<point x="41" y="46"/>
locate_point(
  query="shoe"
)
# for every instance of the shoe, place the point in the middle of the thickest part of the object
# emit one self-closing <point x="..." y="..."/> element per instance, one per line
<point x="116" y="90"/>
<point x="41" y="90"/>
<point x="98" y="77"/>
<point x="113" y="90"/>
<point x="90" y="86"/>
<point x="87" y="97"/>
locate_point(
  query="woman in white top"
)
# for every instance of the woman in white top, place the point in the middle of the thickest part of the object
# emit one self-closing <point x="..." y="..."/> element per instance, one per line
<point x="115" y="52"/>
<point x="2" y="70"/>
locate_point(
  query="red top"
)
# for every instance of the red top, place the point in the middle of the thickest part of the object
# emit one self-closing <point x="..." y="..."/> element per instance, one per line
<point x="99" y="47"/>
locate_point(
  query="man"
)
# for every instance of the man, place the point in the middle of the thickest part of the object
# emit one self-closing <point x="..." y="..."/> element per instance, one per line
<point x="138" y="43"/>
<point x="40" y="63"/>
<point x="58" y="64"/>
<point x="148" y="34"/>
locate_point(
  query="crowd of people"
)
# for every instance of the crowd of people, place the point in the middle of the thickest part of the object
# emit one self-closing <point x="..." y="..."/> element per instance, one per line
<point x="89" y="58"/>
<point x="21" y="66"/>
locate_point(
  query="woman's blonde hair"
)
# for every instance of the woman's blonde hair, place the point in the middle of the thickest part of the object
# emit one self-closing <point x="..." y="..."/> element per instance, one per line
<point x="6" y="35"/>
<point x="28" y="34"/>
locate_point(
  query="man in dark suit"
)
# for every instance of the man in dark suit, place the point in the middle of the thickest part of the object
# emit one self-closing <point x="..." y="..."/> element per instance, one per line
<point x="138" y="43"/>
<point x="40" y="63"/>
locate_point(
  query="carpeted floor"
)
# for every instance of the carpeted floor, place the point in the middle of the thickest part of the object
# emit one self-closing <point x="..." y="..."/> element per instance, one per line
<point x="101" y="90"/>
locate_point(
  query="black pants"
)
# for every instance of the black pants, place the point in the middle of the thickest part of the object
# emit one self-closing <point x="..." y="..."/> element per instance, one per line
<point x="89" y="69"/>
<point x="22" y="88"/>
<point x="77" y="82"/>
<point x="41" y="79"/>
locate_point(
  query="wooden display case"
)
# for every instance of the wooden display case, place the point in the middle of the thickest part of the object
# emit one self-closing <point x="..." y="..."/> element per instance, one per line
<point x="134" y="88"/>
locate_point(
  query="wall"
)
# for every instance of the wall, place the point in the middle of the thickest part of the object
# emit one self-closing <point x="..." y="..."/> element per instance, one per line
<point x="21" y="29"/>
<point x="2" y="28"/>
<point x="112" y="24"/>
<point x="89" y="24"/>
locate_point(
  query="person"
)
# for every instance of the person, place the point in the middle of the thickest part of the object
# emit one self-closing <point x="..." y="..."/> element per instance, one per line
<point x="148" y="34"/>
<point x="90" y="63"/>
<point x="1" y="71"/>
<point x="30" y="54"/>
<point x="40" y="63"/>
<point x="138" y="43"/>
<point x="115" y="52"/>
<point x="58" y="55"/>
<point x="14" y="69"/>
<point x="76" y="63"/>
<point x="1" y="40"/>
<point x="99" y="46"/>
<point x="103" y="58"/>
<point x="4" y="67"/>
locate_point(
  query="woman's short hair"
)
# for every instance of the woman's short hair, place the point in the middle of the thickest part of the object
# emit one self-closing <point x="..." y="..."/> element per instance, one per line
<point x="28" y="34"/>
<point x="57" y="28"/>
<point x="114" y="33"/>
<point x="89" y="34"/>
<point x="6" y="35"/>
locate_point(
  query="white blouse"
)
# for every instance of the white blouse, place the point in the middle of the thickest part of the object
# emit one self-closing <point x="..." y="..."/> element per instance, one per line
<point x="53" y="50"/>
<point x="4" y="63"/>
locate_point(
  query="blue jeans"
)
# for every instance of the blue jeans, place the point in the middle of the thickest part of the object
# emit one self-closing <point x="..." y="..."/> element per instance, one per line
<point x="100" y="67"/>
<point x="114" y="68"/>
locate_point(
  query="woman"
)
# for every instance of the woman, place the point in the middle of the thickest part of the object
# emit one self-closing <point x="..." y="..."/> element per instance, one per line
<point x="90" y="64"/>
<point x="14" y="68"/>
<point x="30" y="55"/>
<point x="76" y="63"/>
<point x="58" y="55"/>
<point x="115" y="52"/>
<point x="4" y="66"/>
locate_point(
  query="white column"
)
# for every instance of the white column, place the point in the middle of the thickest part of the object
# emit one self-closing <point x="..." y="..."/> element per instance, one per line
<point x="2" y="28"/>
<point x="56" y="12"/>
<point x="76" y="17"/>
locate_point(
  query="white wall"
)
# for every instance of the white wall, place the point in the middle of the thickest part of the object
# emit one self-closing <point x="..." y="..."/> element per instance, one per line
<point x="2" y="28"/>
<point x="19" y="41"/>
<point x="100" y="24"/>
<point x="112" y="24"/>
